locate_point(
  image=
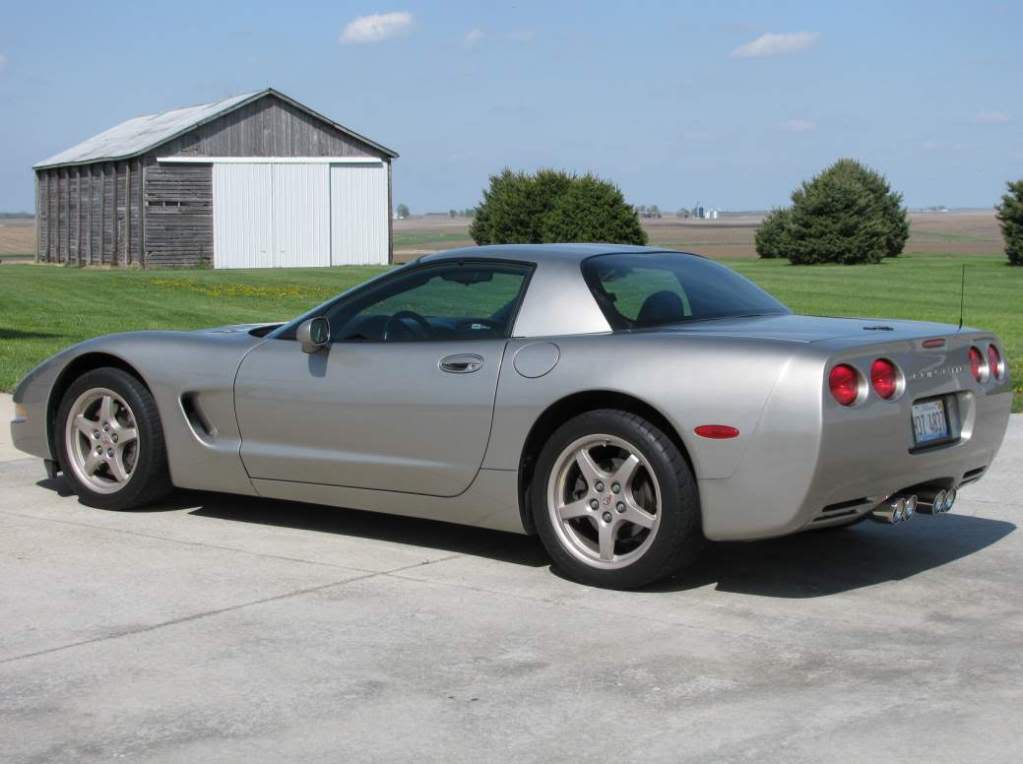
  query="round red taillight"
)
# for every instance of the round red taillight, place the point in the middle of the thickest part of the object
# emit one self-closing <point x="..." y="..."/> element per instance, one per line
<point x="977" y="368"/>
<point x="884" y="377"/>
<point x="844" y="382"/>
<point x="994" y="362"/>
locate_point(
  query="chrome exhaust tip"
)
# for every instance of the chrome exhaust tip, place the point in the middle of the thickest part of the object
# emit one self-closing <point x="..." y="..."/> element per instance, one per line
<point x="939" y="503"/>
<point x="892" y="511"/>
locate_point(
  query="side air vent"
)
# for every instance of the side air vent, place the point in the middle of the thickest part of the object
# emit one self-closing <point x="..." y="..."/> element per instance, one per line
<point x="199" y="422"/>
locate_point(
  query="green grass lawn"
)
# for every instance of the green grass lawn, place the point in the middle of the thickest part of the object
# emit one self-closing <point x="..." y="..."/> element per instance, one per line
<point x="45" y="308"/>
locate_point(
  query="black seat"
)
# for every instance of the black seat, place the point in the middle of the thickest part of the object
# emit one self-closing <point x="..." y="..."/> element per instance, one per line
<point x="662" y="307"/>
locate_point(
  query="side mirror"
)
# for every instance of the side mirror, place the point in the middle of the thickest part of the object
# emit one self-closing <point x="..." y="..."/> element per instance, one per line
<point x="314" y="334"/>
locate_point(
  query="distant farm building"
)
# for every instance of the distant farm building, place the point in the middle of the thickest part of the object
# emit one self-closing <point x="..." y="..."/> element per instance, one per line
<point x="704" y="213"/>
<point x="253" y="181"/>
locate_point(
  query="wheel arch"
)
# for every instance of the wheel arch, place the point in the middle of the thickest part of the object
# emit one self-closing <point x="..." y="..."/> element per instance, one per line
<point x="572" y="405"/>
<point x="76" y="368"/>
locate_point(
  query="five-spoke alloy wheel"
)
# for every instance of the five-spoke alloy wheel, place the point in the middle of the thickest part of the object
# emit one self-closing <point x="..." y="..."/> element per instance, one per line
<point x="101" y="440"/>
<point x="604" y="501"/>
<point x="110" y="441"/>
<point x="614" y="500"/>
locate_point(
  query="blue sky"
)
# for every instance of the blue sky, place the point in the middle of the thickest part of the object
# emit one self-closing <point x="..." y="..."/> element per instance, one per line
<point x="730" y="104"/>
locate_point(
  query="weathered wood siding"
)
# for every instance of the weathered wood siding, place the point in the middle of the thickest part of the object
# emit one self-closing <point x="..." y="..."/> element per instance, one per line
<point x="178" y="214"/>
<point x="91" y="215"/>
<point x="141" y="212"/>
<point x="266" y="128"/>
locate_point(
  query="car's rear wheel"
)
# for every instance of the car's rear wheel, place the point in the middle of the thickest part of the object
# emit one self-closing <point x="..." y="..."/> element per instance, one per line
<point x="614" y="501"/>
<point x="110" y="441"/>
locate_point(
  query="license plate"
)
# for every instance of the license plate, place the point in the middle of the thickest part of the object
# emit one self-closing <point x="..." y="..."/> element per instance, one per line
<point x="929" y="422"/>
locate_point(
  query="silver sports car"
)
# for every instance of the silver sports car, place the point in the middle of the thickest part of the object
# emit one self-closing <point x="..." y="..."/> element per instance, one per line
<point x="623" y="403"/>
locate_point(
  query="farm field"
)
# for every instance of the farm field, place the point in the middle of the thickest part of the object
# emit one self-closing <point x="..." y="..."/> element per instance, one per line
<point x="966" y="233"/>
<point x="44" y="308"/>
<point x="17" y="237"/>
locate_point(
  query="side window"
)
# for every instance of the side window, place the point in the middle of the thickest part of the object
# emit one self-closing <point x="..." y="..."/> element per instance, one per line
<point x="443" y="302"/>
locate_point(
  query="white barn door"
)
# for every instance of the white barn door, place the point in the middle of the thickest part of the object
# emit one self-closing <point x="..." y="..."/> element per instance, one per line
<point x="301" y="219"/>
<point x="299" y="214"/>
<point x="358" y="214"/>
<point x="242" y="216"/>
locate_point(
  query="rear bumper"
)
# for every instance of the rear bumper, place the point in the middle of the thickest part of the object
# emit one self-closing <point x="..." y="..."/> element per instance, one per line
<point x="854" y="459"/>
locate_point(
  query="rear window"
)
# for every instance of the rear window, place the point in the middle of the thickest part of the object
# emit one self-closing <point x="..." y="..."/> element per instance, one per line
<point x="641" y="290"/>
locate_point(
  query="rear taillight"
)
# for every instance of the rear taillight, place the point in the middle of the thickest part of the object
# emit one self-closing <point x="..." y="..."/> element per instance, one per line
<point x="994" y="362"/>
<point x="977" y="367"/>
<point x="884" y="377"/>
<point x="844" y="382"/>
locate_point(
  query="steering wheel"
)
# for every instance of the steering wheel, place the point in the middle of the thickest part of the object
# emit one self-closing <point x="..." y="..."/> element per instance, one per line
<point x="422" y="328"/>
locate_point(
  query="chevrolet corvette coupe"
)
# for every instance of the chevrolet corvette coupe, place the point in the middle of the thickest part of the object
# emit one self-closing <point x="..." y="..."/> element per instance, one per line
<point x="623" y="403"/>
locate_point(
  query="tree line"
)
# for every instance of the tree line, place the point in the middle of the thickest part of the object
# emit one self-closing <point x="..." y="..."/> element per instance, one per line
<point x="847" y="214"/>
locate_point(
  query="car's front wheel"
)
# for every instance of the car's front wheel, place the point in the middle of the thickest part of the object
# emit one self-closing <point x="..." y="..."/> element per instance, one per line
<point x="614" y="501"/>
<point x="110" y="441"/>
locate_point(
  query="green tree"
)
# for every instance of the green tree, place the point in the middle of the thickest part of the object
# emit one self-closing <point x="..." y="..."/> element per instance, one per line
<point x="514" y="205"/>
<point x="895" y="215"/>
<point x="770" y="240"/>
<point x="593" y="210"/>
<point x="403" y="211"/>
<point x="835" y="218"/>
<point x="1010" y="215"/>
<point x="519" y="207"/>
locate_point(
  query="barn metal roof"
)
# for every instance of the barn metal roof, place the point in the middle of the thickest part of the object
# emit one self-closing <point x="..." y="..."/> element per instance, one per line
<point x="141" y="134"/>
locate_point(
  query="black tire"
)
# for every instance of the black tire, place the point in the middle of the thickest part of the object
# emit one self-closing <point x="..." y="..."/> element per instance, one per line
<point x="150" y="479"/>
<point x="679" y="537"/>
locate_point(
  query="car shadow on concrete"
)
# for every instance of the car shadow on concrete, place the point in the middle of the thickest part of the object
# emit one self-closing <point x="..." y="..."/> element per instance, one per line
<point x="457" y="539"/>
<point x="820" y="563"/>
<point x="813" y="564"/>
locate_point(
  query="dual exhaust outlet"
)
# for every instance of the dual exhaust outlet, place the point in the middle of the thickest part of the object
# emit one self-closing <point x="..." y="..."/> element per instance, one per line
<point x="902" y="507"/>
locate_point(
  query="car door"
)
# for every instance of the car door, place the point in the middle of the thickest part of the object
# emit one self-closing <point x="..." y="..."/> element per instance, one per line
<point x="401" y="399"/>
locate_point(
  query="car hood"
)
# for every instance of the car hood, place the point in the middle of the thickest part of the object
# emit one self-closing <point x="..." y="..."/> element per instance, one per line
<point x="806" y="329"/>
<point x="239" y="328"/>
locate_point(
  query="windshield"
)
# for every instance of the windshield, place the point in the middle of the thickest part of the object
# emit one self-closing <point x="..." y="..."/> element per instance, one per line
<point x="640" y="290"/>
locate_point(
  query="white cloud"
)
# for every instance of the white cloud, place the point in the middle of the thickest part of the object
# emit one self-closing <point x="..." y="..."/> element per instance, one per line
<point x="991" y="118"/>
<point x="799" y="125"/>
<point x="473" y="37"/>
<point x="376" y="27"/>
<point x="776" y="44"/>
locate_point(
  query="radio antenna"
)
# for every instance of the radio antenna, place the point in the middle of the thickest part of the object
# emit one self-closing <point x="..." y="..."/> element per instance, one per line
<point x="962" y="298"/>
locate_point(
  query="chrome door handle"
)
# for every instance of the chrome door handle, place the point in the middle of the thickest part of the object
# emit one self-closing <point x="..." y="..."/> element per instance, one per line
<point x="463" y="363"/>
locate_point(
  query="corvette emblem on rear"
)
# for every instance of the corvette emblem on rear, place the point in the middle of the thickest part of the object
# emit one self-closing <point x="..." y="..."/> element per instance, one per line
<point x="943" y="371"/>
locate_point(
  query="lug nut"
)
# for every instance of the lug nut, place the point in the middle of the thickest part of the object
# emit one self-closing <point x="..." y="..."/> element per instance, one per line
<point x="114" y="437"/>
<point x="110" y="452"/>
<point x="616" y="488"/>
<point x="594" y="503"/>
<point x="607" y="517"/>
<point x="96" y="434"/>
<point x="599" y="486"/>
<point x="620" y="506"/>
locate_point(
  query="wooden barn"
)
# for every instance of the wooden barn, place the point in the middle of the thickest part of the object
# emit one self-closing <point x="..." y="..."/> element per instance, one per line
<point x="253" y="181"/>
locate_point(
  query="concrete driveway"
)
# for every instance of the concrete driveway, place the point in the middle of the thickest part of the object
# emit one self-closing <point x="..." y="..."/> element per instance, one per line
<point x="227" y="629"/>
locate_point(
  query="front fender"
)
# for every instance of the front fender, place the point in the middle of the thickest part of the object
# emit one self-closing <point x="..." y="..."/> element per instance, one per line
<point x="173" y="365"/>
